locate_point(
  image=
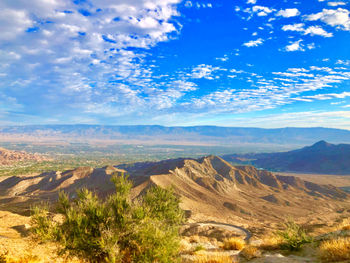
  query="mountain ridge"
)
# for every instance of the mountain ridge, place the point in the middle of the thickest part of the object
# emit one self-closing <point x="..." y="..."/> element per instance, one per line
<point x="209" y="187"/>
<point x="321" y="157"/>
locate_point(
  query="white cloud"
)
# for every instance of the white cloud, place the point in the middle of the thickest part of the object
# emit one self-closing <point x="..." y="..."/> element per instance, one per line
<point x="188" y="4"/>
<point x="197" y="5"/>
<point x="286" y="88"/>
<point x="334" y="17"/>
<point x="251" y="2"/>
<point x="13" y="23"/>
<point x="317" y="30"/>
<point x="334" y="119"/>
<point x="295" y="27"/>
<point x="203" y="71"/>
<point x="328" y="96"/>
<point x="336" y="3"/>
<point x="223" y="59"/>
<point x="259" y="10"/>
<point x="311" y="30"/>
<point x="289" y="12"/>
<point x="311" y="46"/>
<point x="81" y="55"/>
<point x="254" y="43"/>
<point x="295" y="46"/>
<point x="343" y="62"/>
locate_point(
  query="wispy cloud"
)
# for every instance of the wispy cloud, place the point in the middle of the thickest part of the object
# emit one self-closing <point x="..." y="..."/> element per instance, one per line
<point x="311" y="30"/>
<point x="336" y="3"/>
<point x="203" y="71"/>
<point x="254" y="43"/>
<point x="283" y="88"/>
<point x="84" y="53"/>
<point x="334" y="119"/>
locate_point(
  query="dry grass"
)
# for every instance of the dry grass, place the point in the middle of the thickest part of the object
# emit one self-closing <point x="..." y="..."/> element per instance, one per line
<point x="343" y="225"/>
<point x="270" y="243"/>
<point x="216" y="258"/>
<point x="4" y="258"/>
<point x="185" y="246"/>
<point x="335" y="250"/>
<point x="250" y="252"/>
<point x="233" y="243"/>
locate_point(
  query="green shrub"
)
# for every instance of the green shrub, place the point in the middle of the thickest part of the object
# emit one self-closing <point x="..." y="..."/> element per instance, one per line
<point x="293" y="236"/>
<point x="45" y="227"/>
<point x="115" y="229"/>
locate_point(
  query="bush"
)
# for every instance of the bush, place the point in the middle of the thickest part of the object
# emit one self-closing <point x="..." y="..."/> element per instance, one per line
<point x="293" y="236"/>
<point x="115" y="229"/>
<point x="335" y="250"/>
<point x="272" y="242"/>
<point x="250" y="252"/>
<point x="233" y="243"/>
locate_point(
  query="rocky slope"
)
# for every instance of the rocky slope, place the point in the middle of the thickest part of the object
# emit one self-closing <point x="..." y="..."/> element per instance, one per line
<point x="210" y="189"/>
<point x="8" y="157"/>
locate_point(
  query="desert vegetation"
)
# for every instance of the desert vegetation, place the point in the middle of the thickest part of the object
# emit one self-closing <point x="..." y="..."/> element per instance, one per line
<point x="293" y="236"/>
<point x="115" y="229"/>
<point x="336" y="249"/>
<point x="233" y="243"/>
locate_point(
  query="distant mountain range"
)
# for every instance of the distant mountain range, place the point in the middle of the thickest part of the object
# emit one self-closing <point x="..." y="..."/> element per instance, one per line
<point x="213" y="135"/>
<point x="322" y="157"/>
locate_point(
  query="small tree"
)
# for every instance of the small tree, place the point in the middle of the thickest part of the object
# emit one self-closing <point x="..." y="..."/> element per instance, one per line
<point x="115" y="229"/>
<point x="294" y="236"/>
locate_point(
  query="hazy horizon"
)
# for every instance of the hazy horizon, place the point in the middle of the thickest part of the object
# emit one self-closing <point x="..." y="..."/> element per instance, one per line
<point x="168" y="126"/>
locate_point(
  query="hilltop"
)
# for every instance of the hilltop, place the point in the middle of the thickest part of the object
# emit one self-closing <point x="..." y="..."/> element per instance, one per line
<point x="321" y="157"/>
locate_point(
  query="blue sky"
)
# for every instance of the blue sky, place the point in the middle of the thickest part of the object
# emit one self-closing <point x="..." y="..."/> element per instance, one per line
<point x="255" y="63"/>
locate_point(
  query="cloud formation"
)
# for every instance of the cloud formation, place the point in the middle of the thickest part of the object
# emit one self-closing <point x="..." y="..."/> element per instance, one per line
<point x="289" y="12"/>
<point x="295" y="46"/>
<point x="334" y="17"/>
<point x="254" y="43"/>
<point x="82" y="53"/>
<point x="127" y="60"/>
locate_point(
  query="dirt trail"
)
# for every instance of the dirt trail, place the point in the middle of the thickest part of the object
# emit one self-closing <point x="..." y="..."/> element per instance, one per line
<point x="233" y="228"/>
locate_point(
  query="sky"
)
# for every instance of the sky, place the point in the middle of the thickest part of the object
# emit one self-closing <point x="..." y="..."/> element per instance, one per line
<point x="251" y="63"/>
